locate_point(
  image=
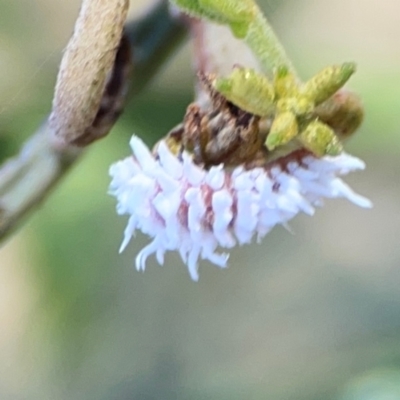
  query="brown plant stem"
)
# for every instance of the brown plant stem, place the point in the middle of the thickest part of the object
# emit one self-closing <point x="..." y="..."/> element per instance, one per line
<point x="86" y="62"/>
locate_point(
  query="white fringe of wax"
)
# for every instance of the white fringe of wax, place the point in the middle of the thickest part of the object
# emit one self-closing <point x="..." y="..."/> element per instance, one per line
<point x="185" y="208"/>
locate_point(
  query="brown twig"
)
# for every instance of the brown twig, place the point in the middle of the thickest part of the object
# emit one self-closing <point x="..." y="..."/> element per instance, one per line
<point x="113" y="99"/>
<point x="87" y="61"/>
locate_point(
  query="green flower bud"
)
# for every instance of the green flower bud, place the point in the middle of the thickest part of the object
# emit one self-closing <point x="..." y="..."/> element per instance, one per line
<point x="285" y="83"/>
<point x="327" y="82"/>
<point x="283" y="130"/>
<point x="248" y="90"/>
<point x="297" y="105"/>
<point x="320" y="139"/>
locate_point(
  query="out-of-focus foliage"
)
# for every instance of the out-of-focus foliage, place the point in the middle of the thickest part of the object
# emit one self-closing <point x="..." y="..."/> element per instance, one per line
<point x="375" y="385"/>
<point x="302" y="316"/>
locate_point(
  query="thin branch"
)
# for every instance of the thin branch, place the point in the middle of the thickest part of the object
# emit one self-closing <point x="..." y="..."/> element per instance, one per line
<point x="154" y="38"/>
<point x="27" y="179"/>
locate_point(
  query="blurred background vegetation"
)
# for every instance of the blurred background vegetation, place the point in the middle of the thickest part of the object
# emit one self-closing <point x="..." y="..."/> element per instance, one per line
<point x="314" y="315"/>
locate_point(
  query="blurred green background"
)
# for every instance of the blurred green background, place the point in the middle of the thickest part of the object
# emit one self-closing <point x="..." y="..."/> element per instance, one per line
<point x="314" y="315"/>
